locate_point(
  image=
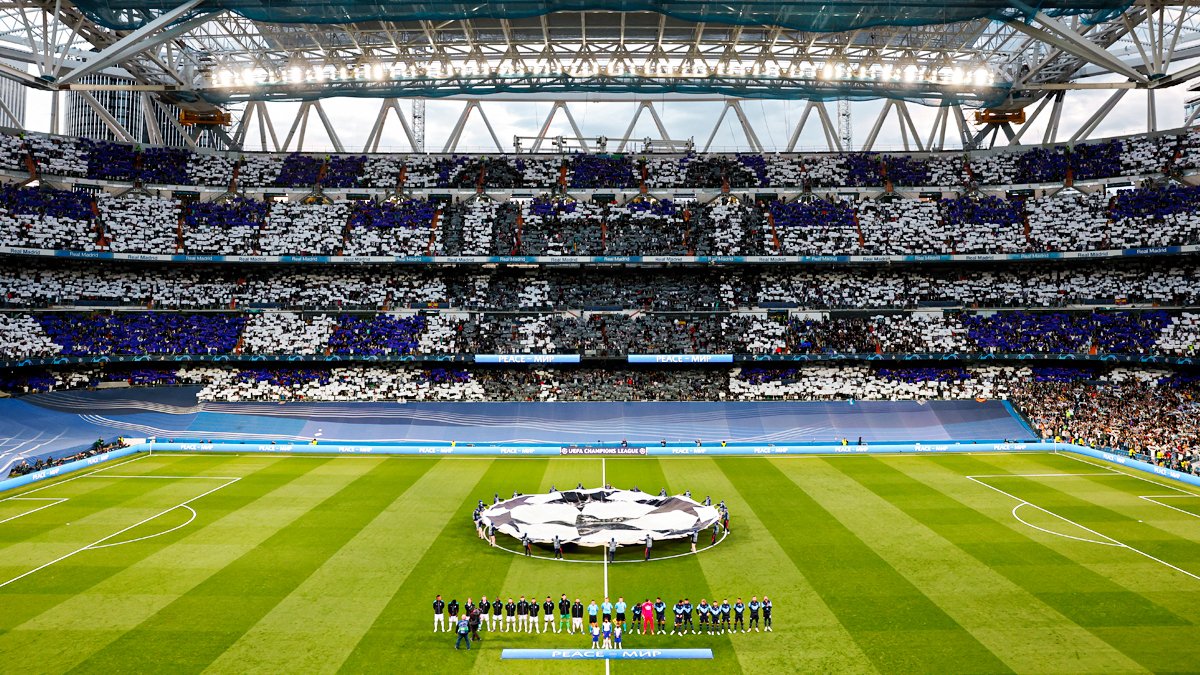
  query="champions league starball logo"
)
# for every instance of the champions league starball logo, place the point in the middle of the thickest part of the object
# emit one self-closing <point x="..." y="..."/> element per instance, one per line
<point x="595" y="517"/>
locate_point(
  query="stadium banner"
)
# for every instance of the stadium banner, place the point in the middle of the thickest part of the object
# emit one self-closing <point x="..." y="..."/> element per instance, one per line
<point x="1124" y="460"/>
<point x="604" y="654"/>
<point x="551" y="450"/>
<point x="526" y="358"/>
<point x="602" y="260"/>
<point x="680" y="358"/>
<point x="236" y="358"/>
<point x="576" y="358"/>
<point x="601" y="451"/>
<point x="70" y="467"/>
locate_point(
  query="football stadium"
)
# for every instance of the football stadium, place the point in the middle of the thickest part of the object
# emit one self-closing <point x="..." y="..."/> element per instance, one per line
<point x="349" y="336"/>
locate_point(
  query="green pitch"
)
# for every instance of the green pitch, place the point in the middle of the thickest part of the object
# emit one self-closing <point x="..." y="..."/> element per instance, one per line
<point x="964" y="563"/>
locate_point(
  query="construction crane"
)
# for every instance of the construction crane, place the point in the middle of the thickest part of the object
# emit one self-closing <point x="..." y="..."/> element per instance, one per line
<point x="418" y="118"/>
<point x="844" y="132"/>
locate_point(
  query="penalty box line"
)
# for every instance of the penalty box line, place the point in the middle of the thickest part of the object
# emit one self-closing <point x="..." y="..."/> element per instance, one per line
<point x="100" y="543"/>
<point x="1182" y="493"/>
<point x="54" y="501"/>
<point x="1114" y="542"/>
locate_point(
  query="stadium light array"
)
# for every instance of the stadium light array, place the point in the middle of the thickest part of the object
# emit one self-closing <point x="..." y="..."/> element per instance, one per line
<point x="954" y="74"/>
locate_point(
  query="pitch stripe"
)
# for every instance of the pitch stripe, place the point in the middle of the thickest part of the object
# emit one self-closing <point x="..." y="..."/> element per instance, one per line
<point x="314" y="628"/>
<point x="896" y="517"/>
<point x="818" y="641"/>
<point x="1081" y="581"/>
<point x="454" y="563"/>
<point x="869" y="597"/>
<point x="120" y="596"/>
<point x="236" y="595"/>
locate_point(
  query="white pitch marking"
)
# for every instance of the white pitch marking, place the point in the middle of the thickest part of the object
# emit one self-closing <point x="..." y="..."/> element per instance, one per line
<point x="53" y="502"/>
<point x="604" y="483"/>
<point x="1154" y="499"/>
<point x="98" y="542"/>
<point x="157" y="534"/>
<point x="1041" y="475"/>
<point x="604" y="549"/>
<point x="113" y="475"/>
<point x="1082" y="527"/>
<point x="1123" y="473"/>
<point x="1059" y="534"/>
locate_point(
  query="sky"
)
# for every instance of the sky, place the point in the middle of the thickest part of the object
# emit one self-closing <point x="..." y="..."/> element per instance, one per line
<point x="773" y="121"/>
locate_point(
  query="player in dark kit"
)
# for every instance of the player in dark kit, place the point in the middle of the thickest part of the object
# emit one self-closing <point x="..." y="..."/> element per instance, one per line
<point x="678" y="618"/>
<point x="439" y="614"/>
<point x="522" y="614"/>
<point x="766" y="608"/>
<point x="725" y="610"/>
<point x="452" y="608"/>
<point x="660" y="614"/>
<point x="739" y="609"/>
<point x="533" y="618"/>
<point x="510" y="616"/>
<point x="497" y="608"/>
<point x="703" y="610"/>
<point x="687" y="616"/>
<point x="548" y="612"/>
<point x="754" y="606"/>
<point x="576" y="617"/>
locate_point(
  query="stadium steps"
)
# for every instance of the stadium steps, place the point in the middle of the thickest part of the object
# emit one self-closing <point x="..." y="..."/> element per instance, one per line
<point x="30" y="165"/>
<point x="433" y="228"/>
<point x="347" y="231"/>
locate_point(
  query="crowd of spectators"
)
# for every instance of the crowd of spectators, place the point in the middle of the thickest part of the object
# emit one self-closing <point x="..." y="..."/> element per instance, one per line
<point x="170" y="286"/>
<point x="24" y="466"/>
<point x="83" y="158"/>
<point x="1149" y="414"/>
<point x="601" y="334"/>
<point x="138" y="222"/>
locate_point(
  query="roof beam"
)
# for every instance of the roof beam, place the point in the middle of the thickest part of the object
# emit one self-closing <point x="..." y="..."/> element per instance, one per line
<point x="147" y="37"/>
<point x="1058" y="34"/>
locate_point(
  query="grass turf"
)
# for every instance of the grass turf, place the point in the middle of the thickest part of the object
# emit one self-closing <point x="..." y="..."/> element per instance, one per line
<point x="319" y="564"/>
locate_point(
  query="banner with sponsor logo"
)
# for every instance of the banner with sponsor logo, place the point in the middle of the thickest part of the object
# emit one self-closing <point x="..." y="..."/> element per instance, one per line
<point x="600" y="451"/>
<point x="680" y="358"/>
<point x="69" y="467"/>
<point x="526" y="358"/>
